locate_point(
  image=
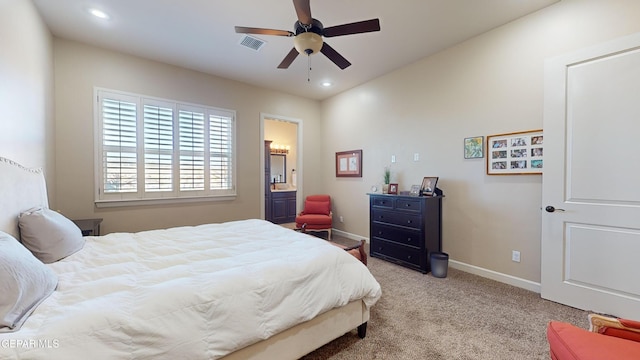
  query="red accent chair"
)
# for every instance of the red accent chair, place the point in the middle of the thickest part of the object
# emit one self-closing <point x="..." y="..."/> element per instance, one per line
<point x="607" y="338"/>
<point x="317" y="215"/>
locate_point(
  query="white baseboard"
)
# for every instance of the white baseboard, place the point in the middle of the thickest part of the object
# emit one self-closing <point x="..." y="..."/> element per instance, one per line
<point x="476" y="270"/>
<point x="349" y="235"/>
<point x="494" y="275"/>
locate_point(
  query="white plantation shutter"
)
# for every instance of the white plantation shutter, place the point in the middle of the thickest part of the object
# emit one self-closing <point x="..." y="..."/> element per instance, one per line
<point x="221" y="152"/>
<point x="192" y="164"/>
<point x="119" y="152"/>
<point x="158" y="149"/>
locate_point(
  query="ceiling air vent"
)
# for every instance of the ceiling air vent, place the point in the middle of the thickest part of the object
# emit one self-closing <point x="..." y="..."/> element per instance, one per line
<point x="252" y="43"/>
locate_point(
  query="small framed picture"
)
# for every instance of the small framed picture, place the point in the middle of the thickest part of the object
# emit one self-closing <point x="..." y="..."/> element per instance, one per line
<point x="393" y="189"/>
<point x="474" y="147"/>
<point x="415" y="190"/>
<point x="428" y="185"/>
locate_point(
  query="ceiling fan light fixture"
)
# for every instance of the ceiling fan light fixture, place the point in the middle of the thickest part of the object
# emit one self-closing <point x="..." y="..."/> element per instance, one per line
<point x="308" y="43"/>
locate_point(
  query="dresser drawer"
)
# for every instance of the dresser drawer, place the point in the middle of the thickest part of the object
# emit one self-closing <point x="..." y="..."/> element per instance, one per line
<point x="397" y="218"/>
<point x="382" y="202"/>
<point x="413" y="205"/>
<point x="399" y="253"/>
<point x="405" y="237"/>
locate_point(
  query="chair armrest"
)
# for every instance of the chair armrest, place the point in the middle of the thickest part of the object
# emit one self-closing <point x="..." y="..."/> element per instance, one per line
<point x="607" y="325"/>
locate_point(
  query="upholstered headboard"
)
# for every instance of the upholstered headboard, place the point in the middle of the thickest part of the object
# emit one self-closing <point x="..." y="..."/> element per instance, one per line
<point x="21" y="189"/>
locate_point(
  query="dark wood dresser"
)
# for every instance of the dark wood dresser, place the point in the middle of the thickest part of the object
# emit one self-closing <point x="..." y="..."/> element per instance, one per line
<point x="405" y="229"/>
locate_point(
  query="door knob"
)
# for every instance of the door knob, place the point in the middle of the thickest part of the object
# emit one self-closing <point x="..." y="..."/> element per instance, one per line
<point x="552" y="209"/>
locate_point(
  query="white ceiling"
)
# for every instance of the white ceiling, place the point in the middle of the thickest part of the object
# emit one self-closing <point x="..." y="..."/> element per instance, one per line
<point x="199" y="34"/>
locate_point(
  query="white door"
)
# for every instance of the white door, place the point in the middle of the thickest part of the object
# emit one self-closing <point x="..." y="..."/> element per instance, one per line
<point x="591" y="242"/>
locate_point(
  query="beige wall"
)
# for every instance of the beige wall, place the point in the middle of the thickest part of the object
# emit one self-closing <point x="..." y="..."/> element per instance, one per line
<point x="26" y="89"/>
<point x="488" y="85"/>
<point x="79" y="67"/>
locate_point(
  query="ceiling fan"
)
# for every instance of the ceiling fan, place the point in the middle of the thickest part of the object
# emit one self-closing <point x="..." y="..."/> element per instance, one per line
<point x="309" y="33"/>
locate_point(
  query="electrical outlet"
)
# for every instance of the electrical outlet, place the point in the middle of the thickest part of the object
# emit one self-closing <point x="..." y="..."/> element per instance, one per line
<point x="393" y="158"/>
<point x="416" y="157"/>
<point x="515" y="256"/>
<point x="341" y="219"/>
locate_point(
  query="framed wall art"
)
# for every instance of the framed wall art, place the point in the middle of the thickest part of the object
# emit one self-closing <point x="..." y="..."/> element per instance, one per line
<point x="518" y="153"/>
<point x="349" y="163"/>
<point x="474" y="147"/>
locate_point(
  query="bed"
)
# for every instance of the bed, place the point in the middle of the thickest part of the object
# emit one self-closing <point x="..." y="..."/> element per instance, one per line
<point x="244" y="289"/>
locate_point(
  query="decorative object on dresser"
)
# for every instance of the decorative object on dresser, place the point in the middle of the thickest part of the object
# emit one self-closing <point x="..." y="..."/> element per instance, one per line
<point x="387" y="180"/>
<point x="405" y="229"/>
<point x="393" y="189"/>
<point x="428" y="185"/>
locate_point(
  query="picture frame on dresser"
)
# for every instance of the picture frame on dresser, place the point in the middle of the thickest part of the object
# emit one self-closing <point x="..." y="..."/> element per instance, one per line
<point x="393" y="189"/>
<point x="428" y="186"/>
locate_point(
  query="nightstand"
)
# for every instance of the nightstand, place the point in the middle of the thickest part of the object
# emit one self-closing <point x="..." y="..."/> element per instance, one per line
<point x="89" y="227"/>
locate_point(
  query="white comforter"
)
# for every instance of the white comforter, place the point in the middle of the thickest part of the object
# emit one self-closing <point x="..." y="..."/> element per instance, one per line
<point x="187" y="293"/>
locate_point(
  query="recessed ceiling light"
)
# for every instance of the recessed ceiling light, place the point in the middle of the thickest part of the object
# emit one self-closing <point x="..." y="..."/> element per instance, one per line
<point x="99" y="14"/>
<point x="326" y="84"/>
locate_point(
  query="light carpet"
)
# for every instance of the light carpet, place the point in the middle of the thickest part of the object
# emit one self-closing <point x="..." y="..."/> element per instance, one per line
<point x="462" y="316"/>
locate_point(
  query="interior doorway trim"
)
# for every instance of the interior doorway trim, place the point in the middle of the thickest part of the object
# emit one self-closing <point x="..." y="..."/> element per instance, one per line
<point x="299" y="167"/>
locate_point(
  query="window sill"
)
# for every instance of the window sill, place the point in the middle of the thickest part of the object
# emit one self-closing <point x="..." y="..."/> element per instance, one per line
<point x="166" y="201"/>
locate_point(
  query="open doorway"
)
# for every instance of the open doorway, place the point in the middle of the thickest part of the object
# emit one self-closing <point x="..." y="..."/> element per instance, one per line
<point x="282" y="181"/>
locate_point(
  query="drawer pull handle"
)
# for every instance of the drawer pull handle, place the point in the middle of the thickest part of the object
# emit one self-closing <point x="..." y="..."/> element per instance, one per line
<point x="408" y="239"/>
<point x="379" y="232"/>
<point x="409" y="221"/>
<point x="409" y="257"/>
<point x="408" y="205"/>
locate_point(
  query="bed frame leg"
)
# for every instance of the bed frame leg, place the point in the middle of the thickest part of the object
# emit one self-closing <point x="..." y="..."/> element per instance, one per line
<point x="362" y="331"/>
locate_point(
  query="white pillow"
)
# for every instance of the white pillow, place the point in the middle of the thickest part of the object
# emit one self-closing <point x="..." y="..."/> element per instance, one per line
<point x="24" y="283"/>
<point x="49" y="235"/>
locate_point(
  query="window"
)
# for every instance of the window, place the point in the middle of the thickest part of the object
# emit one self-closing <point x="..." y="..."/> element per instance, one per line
<point x="156" y="149"/>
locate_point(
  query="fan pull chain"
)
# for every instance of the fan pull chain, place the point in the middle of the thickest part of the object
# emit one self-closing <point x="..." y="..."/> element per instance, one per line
<point x="309" y="68"/>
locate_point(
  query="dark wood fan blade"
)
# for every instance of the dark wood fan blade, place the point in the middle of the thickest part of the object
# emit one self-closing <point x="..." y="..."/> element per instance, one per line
<point x="353" y="28"/>
<point x="303" y="10"/>
<point x="288" y="59"/>
<point x="251" y="30"/>
<point x="333" y="55"/>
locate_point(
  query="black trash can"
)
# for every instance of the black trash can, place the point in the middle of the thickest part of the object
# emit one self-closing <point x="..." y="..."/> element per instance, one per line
<point x="439" y="264"/>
